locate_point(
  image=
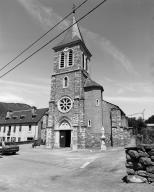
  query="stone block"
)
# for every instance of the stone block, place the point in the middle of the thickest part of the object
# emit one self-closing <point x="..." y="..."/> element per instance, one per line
<point x="151" y="175"/>
<point x="152" y="158"/>
<point x="151" y="153"/>
<point x="129" y="165"/>
<point x="134" y="154"/>
<point x="145" y="161"/>
<point x="128" y="157"/>
<point x="143" y="154"/>
<point x="142" y="173"/>
<point x="135" y="179"/>
<point x="130" y="171"/>
<point x="139" y="166"/>
<point x="150" y="169"/>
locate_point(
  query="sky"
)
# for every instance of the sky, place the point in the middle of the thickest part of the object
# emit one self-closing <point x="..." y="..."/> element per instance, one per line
<point x="119" y="34"/>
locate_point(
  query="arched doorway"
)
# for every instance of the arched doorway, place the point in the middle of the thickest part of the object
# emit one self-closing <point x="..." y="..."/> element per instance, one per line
<point x="65" y="134"/>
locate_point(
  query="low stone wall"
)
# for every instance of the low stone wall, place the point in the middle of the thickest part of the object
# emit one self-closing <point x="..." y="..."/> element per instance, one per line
<point x="121" y="136"/>
<point x="140" y="162"/>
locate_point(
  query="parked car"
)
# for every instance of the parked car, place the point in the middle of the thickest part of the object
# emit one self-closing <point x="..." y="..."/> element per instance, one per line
<point x="8" y="149"/>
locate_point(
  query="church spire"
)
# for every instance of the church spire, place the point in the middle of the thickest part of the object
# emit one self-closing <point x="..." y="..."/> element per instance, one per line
<point x="72" y="37"/>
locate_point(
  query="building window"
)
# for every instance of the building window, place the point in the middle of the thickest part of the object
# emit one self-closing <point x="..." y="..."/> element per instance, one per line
<point x="62" y="60"/>
<point x="19" y="139"/>
<point x="70" y="57"/>
<point x="4" y="129"/>
<point x="20" y="128"/>
<point x="13" y="139"/>
<point x="14" y="130"/>
<point x="9" y="129"/>
<point x="8" y="139"/>
<point x="97" y="102"/>
<point x="89" y="123"/>
<point x="30" y="127"/>
<point x="65" y="82"/>
<point x="0" y="128"/>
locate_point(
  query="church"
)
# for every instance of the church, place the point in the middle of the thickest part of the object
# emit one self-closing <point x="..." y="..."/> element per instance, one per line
<point x="76" y="101"/>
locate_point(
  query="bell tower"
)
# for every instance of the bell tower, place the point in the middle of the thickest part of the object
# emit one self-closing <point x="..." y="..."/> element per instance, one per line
<point x="66" y="123"/>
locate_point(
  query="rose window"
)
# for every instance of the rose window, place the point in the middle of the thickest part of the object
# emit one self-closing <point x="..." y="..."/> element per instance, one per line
<point x="64" y="104"/>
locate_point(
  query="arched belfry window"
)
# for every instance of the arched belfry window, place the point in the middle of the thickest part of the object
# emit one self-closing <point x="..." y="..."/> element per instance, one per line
<point x="70" y="57"/>
<point x="84" y="61"/>
<point x="62" y="60"/>
<point x="65" y="82"/>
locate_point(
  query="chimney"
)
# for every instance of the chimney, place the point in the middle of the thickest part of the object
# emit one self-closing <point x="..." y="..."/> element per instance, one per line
<point x="8" y="115"/>
<point x="33" y="111"/>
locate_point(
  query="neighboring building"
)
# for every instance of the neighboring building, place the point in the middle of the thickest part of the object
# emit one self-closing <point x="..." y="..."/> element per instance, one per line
<point x="115" y="123"/>
<point x="150" y="125"/>
<point x="24" y="125"/>
<point x="76" y="102"/>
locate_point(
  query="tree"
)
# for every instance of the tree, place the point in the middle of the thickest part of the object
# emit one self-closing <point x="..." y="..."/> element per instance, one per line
<point x="137" y="124"/>
<point x="150" y="119"/>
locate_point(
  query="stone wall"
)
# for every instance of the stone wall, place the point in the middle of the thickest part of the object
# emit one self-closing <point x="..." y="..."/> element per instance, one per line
<point x="140" y="162"/>
<point x="121" y="136"/>
<point x="94" y="111"/>
<point x="93" y="140"/>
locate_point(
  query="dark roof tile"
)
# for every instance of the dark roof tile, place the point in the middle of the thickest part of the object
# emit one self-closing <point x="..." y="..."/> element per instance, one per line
<point x="92" y="84"/>
<point x="23" y="117"/>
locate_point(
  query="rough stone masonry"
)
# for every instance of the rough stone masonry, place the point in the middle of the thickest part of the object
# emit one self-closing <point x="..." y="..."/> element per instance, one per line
<point x="140" y="162"/>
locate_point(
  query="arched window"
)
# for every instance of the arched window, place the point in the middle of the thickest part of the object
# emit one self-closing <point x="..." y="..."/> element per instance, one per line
<point x="65" y="82"/>
<point x="89" y="123"/>
<point x="70" y="57"/>
<point x="97" y="102"/>
<point x="62" y="60"/>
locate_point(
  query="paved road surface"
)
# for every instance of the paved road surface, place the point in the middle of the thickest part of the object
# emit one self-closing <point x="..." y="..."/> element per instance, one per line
<point x="43" y="170"/>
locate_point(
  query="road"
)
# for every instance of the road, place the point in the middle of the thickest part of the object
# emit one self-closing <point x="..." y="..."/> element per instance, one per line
<point x="44" y="170"/>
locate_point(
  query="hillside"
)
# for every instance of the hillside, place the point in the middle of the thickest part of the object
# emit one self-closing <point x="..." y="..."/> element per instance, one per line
<point x="4" y="107"/>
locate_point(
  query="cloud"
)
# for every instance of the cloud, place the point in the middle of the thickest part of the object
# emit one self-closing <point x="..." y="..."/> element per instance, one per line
<point x="45" y="15"/>
<point x="23" y="92"/>
<point x="138" y="87"/>
<point x="108" y="47"/>
<point x="40" y="84"/>
<point x="152" y="69"/>
<point x="131" y="99"/>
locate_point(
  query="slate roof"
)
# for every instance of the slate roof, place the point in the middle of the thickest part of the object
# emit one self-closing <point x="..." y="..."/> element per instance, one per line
<point x="24" y="117"/>
<point x="72" y="36"/>
<point x="92" y="84"/>
<point x="114" y="106"/>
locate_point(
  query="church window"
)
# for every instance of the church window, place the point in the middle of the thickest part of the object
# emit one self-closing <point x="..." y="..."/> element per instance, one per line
<point x="62" y="60"/>
<point x="89" y="123"/>
<point x="65" y="82"/>
<point x="84" y="61"/>
<point x="97" y="102"/>
<point x="65" y="104"/>
<point x="70" y="57"/>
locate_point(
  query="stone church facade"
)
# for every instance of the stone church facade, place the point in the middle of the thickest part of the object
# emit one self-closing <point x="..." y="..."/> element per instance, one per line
<point x="76" y="101"/>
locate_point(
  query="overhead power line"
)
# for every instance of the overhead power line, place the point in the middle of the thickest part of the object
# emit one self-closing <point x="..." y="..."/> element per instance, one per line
<point x="26" y="49"/>
<point x="53" y="38"/>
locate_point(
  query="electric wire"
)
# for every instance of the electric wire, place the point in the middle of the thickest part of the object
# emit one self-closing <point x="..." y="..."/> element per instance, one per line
<point x="54" y="38"/>
<point x="65" y="17"/>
